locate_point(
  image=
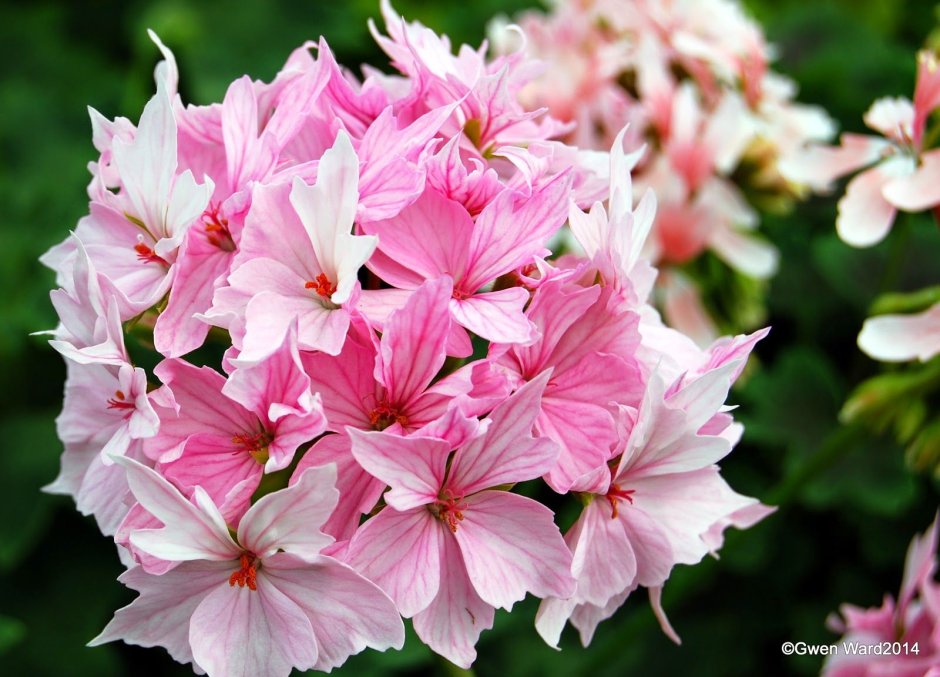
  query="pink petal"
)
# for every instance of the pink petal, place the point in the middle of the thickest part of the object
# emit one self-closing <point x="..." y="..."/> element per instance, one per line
<point x="160" y="615"/>
<point x="511" y="546"/>
<point x="865" y="217"/>
<point x="188" y="534"/>
<point x="603" y="562"/>
<point x="898" y="338"/>
<point x="199" y="268"/>
<point x="430" y="237"/>
<point x="358" y="490"/>
<point x="918" y="191"/>
<point x="290" y="519"/>
<point x="507" y="452"/>
<point x="346" y="611"/>
<point x="452" y="624"/>
<point x="401" y="553"/>
<point x="496" y="316"/>
<point x="512" y="228"/>
<point x="243" y="632"/>
<point x="413" y="342"/>
<point x="413" y="466"/>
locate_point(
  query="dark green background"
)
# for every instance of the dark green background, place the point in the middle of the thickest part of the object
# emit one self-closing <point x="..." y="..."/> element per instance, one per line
<point x="848" y="507"/>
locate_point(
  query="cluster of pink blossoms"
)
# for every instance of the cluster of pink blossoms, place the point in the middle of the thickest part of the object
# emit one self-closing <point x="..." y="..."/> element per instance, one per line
<point x="691" y="78"/>
<point x="401" y="348"/>
<point x="909" y="626"/>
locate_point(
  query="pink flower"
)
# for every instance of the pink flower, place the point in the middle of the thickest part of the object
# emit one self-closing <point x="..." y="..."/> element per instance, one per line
<point x="506" y="234"/>
<point x="586" y="346"/>
<point x="450" y="546"/>
<point x="911" y="620"/>
<point x="901" y="173"/>
<point x="298" y="261"/>
<point x="223" y="435"/>
<point x="663" y="504"/>
<point x="261" y="601"/>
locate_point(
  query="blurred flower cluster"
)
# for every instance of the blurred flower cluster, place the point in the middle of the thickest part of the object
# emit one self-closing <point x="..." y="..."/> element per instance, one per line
<point x="692" y="80"/>
<point x="325" y="370"/>
<point x="900" y="171"/>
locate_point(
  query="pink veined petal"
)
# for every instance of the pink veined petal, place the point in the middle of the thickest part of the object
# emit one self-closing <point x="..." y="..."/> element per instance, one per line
<point x="216" y="464"/>
<point x="509" y="231"/>
<point x="865" y="217"/>
<point x="919" y="190"/>
<point x="507" y="452"/>
<point x="511" y="546"/>
<point x="290" y="519"/>
<point x="452" y="624"/>
<point x="413" y="466"/>
<point x="346" y="611"/>
<point x="346" y="382"/>
<point x="188" y="533"/>
<point x="430" y="238"/>
<point x="242" y="632"/>
<point x="898" y="338"/>
<point x="551" y="618"/>
<point x="656" y="594"/>
<point x="358" y="490"/>
<point x="496" y="316"/>
<point x="685" y="506"/>
<point x="377" y="304"/>
<point x="244" y="151"/>
<point x="413" y="341"/>
<point x="160" y="615"/>
<point x="401" y="553"/>
<point x="603" y="561"/>
<point x="586" y="617"/>
<point x="198" y="268"/>
<point x="268" y="315"/>
<point x="654" y="556"/>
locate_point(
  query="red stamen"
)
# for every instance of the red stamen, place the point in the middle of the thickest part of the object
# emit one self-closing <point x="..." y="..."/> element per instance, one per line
<point x="459" y="294"/>
<point x="616" y="494"/>
<point x="386" y="414"/>
<point x="217" y="230"/>
<point x="118" y="401"/>
<point x="246" y="575"/>
<point x="448" y="510"/>
<point x="145" y="255"/>
<point x="322" y="285"/>
<point x="255" y="444"/>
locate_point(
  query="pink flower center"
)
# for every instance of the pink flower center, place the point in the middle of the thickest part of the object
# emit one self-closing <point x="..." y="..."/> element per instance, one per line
<point x="448" y="509"/>
<point x="119" y="401"/>
<point x="322" y="286"/>
<point x="217" y="231"/>
<point x="459" y="294"/>
<point x="385" y="414"/>
<point x="145" y="255"/>
<point x="255" y="444"/>
<point x="615" y="494"/>
<point x="246" y="574"/>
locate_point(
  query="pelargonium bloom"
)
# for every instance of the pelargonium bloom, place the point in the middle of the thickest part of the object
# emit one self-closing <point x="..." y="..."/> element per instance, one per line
<point x="260" y="601"/>
<point x="899" y="172"/>
<point x="451" y="545"/>
<point x="912" y="620"/>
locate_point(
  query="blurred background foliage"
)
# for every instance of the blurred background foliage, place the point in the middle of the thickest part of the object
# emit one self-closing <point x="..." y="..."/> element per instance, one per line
<point x="848" y="505"/>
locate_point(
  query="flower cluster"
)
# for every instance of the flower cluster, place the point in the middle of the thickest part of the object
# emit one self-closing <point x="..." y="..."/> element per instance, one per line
<point x="901" y="637"/>
<point x="692" y="79"/>
<point x="316" y="338"/>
